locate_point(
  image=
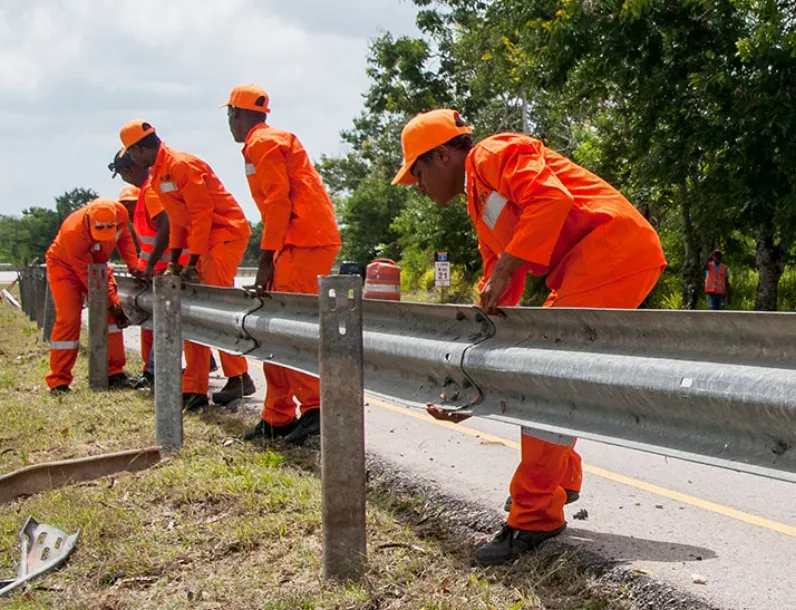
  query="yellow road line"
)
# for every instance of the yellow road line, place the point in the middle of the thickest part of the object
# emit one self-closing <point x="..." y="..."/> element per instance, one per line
<point x="602" y="473"/>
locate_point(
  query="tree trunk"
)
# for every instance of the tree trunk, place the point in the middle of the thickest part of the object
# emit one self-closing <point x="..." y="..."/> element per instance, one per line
<point x="692" y="265"/>
<point x="770" y="266"/>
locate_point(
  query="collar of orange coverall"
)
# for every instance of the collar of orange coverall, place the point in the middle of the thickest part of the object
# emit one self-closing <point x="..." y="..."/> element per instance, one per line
<point x="159" y="160"/>
<point x="251" y="133"/>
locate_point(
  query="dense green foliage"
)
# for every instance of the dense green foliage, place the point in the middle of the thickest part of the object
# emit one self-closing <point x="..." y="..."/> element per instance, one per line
<point x="685" y="105"/>
<point x="26" y="239"/>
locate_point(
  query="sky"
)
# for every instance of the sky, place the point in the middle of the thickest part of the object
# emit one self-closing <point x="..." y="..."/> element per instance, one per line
<point x="72" y="72"/>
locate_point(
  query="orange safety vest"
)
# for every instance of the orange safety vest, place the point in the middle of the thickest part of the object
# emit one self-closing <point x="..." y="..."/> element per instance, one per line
<point x="716" y="278"/>
<point x="146" y="231"/>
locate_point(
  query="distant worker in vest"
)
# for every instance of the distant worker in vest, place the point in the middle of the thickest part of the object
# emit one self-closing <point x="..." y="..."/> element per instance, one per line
<point x="88" y="236"/>
<point x="535" y="212"/>
<point x="207" y="221"/>
<point x="300" y="242"/>
<point x="717" y="281"/>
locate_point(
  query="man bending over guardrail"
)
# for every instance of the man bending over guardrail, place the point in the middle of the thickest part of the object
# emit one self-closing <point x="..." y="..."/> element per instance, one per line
<point x="88" y="236"/>
<point x="205" y="219"/>
<point x="536" y="212"/>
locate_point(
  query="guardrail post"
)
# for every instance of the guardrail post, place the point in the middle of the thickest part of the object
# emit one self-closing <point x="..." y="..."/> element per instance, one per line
<point x="30" y="292"/>
<point x="342" y="427"/>
<point x="98" y="327"/>
<point x="168" y="361"/>
<point x="23" y="291"/>
<point x="41" y="293"/>
<point x="49" y="311"/>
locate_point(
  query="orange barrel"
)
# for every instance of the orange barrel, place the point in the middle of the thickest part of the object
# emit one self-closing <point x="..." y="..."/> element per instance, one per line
<point x="383" y="280"/>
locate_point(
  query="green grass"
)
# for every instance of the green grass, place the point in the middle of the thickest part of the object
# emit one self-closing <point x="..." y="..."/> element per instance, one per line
<point x="223" y="524"/>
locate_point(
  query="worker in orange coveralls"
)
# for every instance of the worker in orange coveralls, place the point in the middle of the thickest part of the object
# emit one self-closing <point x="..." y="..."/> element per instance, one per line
<point x="207" y="221"/>
<point x="536" y="212"/>
<point x="88" y="236"/>
<point x="300" y="242"/>
<point x="151" y="229"/>
<point x="128" y="197"/>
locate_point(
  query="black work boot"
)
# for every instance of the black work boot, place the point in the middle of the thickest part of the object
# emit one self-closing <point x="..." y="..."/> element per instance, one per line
<point x="60" y="390"/>
<point x="510" y="543"/>
<point x="235" y="388"/>
<point x="265" y="431"/>
<point x="145" y="381"/>
<point x="308" y="425"/>
<point x="119" y="381"/>
<point x="572" y="496"/>
<point x="194" y="402"/>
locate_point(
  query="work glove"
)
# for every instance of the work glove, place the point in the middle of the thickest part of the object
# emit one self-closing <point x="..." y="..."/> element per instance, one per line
<point x="173" y="269"/>
<point x="190" y="275"/>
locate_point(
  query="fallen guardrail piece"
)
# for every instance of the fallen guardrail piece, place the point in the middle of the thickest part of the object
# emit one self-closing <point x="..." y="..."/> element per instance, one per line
<point x="43" y="547"/>
<point x="42" y="477"/>
<point x="11" y="299"/>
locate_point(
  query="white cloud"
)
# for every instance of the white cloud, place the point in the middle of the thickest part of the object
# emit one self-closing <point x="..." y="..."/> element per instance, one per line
<point x="73" y="71"/>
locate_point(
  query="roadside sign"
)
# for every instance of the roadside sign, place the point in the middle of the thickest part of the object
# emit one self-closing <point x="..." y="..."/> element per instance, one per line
<point x="442" y="270"/>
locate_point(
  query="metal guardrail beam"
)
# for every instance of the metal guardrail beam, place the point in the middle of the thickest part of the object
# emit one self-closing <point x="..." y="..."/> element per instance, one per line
<point x="241" y="272"/>
<point x="716" y="388"/>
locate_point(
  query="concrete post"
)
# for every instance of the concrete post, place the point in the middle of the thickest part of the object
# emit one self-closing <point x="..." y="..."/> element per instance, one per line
<point x="98" y="327"/>
<point x="168" y="362"/>
<point x="342" y="427"/>
<point x="49" y="311"/>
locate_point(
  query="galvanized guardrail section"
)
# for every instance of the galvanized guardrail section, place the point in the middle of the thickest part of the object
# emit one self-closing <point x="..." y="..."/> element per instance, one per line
<point x="35" y="298"/>
<point x="716" y="388"/>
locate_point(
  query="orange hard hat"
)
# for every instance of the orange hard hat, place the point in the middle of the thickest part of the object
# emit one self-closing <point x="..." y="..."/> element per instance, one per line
<point x="102" y="219"/>
<point x="248" y="97"/>
<point x="129" y="193"/>
<point x="424" y="133"/>
<point x="133" y="132"/>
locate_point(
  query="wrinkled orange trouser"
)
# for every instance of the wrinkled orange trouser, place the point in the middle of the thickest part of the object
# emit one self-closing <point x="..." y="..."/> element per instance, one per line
<point x="216" y="268"/>
<point x="546" y="471"/>
<point x="68" y="292"/>
<point x="296" y="270"/>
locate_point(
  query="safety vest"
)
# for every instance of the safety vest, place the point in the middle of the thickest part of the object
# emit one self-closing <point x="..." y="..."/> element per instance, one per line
<point x="146" y="231"/>
<point x="716" y="278"/>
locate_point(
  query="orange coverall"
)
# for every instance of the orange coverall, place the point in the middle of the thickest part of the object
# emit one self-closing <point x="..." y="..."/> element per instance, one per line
<point x="597" y="251"/>
<point x="68" y="259"/>
<point x="300" y="227"/>
<point x="208" y="221"/>
<point x="147" y="208"/>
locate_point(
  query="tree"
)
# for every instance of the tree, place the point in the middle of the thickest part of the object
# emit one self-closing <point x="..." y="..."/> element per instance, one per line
<point x="25" y="239"/>
<point x="684" y="105"/>
<point x="73" y="200"/>
<point x="251" y="257"/>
